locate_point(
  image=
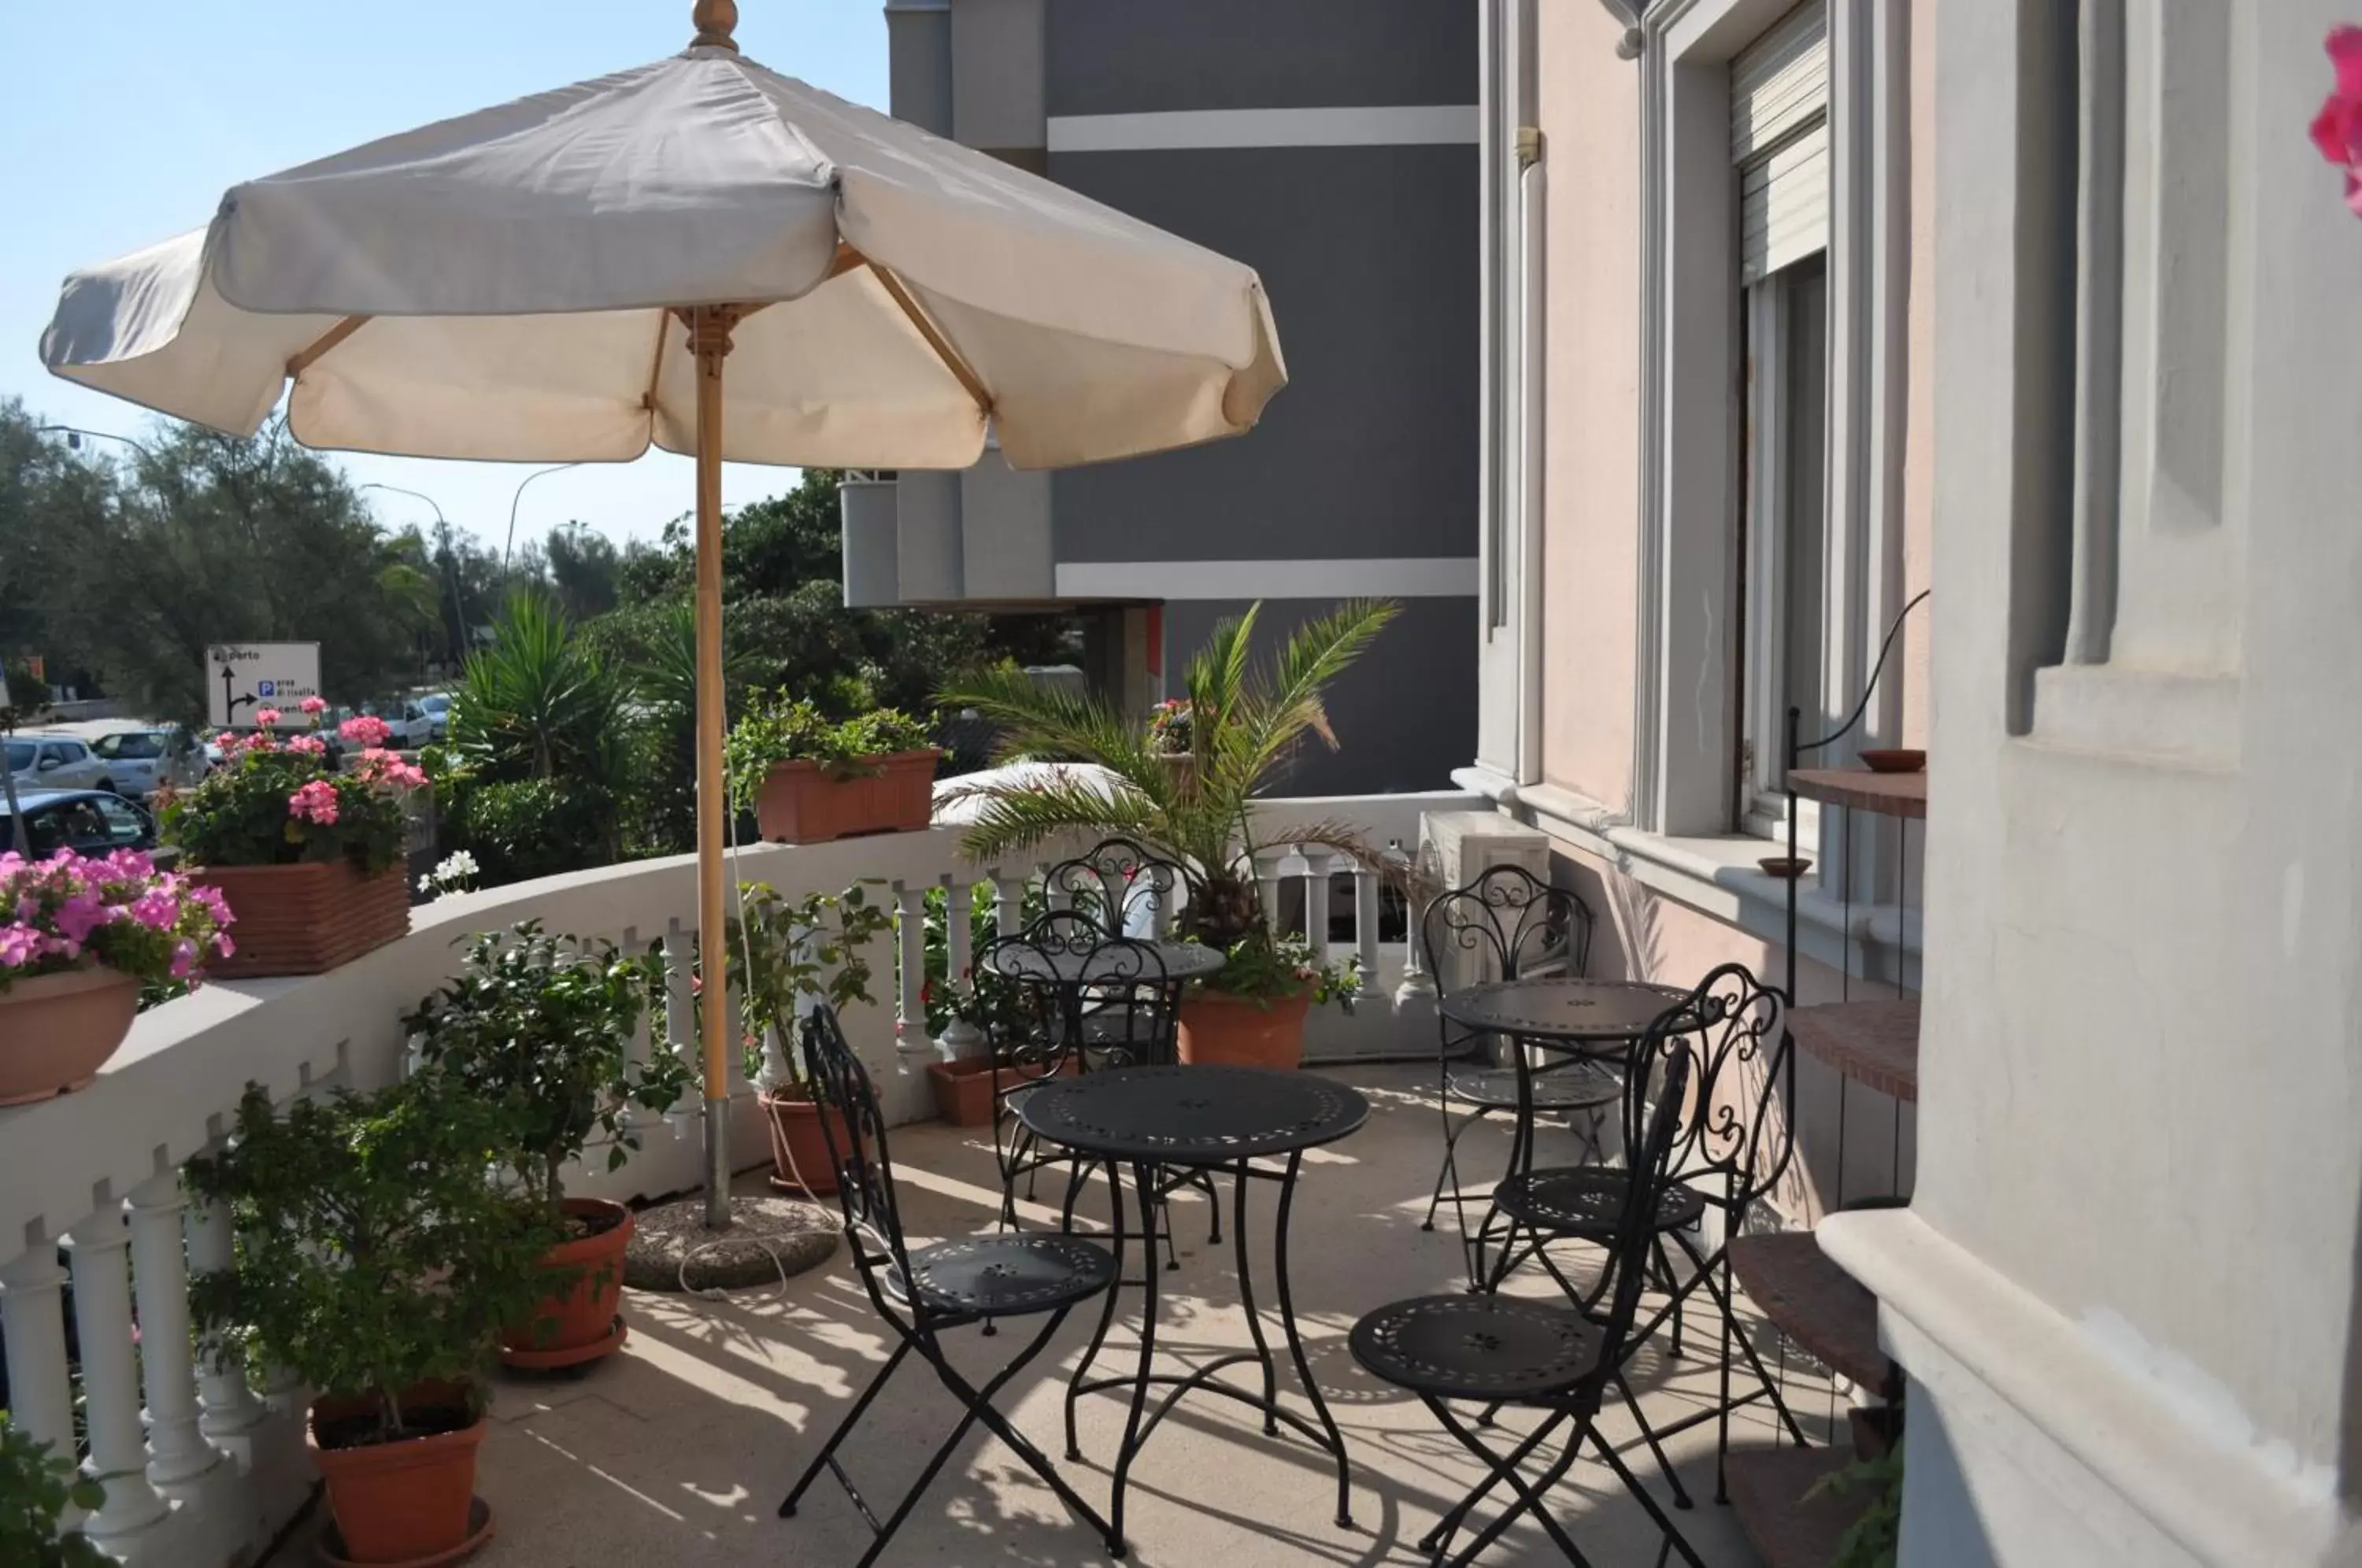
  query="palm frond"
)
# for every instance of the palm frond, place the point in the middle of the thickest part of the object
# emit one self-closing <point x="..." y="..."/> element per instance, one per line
<point x="1319" y="651"/>
<point x="1019" y="817"/>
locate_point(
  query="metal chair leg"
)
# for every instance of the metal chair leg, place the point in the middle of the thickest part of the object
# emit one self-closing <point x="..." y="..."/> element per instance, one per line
<point x="811" y="1470"/>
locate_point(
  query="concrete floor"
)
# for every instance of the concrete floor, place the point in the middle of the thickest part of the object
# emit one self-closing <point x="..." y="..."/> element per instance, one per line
<point x="679" y="1449"/>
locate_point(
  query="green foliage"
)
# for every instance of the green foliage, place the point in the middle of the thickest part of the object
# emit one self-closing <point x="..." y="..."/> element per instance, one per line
<point x="244" y="812"/>
<point x="527" y="827"/>
<point x="373" y="1255"/>
<point x="987" y="1000"/>
<point x="36" y="1488"/>
<point x="783" y="949"/>
<point x="539" y="701"/>
<point x="1245" y="723"/>
<point x="539" y="1028"/>
<point x="782" y="728"/>
<point x="1874" y="1539"/>
<point x="1265" y="967"/>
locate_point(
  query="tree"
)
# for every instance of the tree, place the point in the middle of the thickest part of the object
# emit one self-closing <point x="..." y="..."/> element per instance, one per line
<point x="584" y="570"/>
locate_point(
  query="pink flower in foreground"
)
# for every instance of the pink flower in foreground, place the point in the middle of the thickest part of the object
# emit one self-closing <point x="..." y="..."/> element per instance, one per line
<point x="80" y="915"/>
<point x="184" y="958"/>
<point x="364" y="729"/>
<point x="314" y="705"/>
<point x="19" y="945"/>
<point x="2337" y="129"/>
<point x="316" y="746"/>
<point x="266" y="717"/>
<point x="317" y="801"/>
<point x="379" y="766"/>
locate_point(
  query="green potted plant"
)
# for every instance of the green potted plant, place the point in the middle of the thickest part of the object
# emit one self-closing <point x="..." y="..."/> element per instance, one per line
<point x="375" y="1262"/>
<point x="310" y="858"/>
<point x="84" y="936"/>
<point x="809" y="779"/>
<point x="36" y="1487"/>
<point x="783" y="950"/>
<point x="540" y="1027"/>
<point x="1243" y="726"/>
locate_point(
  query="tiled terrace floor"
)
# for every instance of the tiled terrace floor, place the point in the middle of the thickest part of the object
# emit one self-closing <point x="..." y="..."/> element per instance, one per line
<point x="679" y="1450"/>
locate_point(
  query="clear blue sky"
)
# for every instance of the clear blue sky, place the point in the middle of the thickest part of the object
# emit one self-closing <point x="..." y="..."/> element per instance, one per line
<point x="122" y="121"/>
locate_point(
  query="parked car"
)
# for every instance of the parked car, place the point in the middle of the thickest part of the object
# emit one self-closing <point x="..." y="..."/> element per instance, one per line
<point x="56" y="762"/>
<point x="88" y="821"/>
<point x="139" y="760"/>
<point x="437" y="706"/>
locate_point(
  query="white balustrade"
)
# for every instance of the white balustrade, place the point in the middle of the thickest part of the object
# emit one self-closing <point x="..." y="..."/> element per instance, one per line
<point x="110" y="1382"/>
<point x="1008" y="902"/>
<point x="33" y="1331"/>
<point x="226" y="1405"/>
<point x="177" y="1450"/>
<point x="910" y="965"/>
<point x="959" y="931"/>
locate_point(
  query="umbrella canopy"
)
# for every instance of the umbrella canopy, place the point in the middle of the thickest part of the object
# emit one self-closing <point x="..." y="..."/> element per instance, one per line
<point x="562" y="278"/>
<point x="503" y="285"/>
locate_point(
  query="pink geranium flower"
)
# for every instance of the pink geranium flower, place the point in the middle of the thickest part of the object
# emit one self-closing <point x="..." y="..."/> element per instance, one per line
<point x="315" y="801"/>
<point x="366" y="729"/>
<point x="2337" y="129"/>
<point x="314" y="705"/>
<point x="315" y="745"/>
<point x="266" y="717"/>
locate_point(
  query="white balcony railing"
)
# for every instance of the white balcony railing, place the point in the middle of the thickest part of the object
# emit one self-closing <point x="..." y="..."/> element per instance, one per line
<point x="203" y="1469"/>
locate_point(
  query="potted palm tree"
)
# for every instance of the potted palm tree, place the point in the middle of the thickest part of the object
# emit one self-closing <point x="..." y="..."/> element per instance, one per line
<point x="783" y="953"/>
<point x="375" y="1263"/>
<point x="540" y="1027"/>
<point x="1242" y="724"/>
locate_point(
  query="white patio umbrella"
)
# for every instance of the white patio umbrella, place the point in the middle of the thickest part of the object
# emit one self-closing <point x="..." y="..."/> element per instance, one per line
<point x="561" y="278"/>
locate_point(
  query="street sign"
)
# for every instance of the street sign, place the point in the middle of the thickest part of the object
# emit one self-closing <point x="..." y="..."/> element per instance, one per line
<point x="243" y="677"/>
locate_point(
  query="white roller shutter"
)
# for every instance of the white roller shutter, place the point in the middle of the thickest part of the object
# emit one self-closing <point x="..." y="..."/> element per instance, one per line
<point x="1780" y="141"/>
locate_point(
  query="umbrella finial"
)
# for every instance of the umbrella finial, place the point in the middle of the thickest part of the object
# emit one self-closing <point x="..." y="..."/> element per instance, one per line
<point x="715" y="21"/>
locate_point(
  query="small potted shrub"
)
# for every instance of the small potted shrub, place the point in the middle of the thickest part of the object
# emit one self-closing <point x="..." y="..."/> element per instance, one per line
<point x="997" y="1009"/>
<point x="783" y="950"/>
<point x="1171" y="729"/>
<point x="36" y="1488"/>
<point x="310" y="858"/>
<point x="84" y="936"/>
<point x="540" y="1027"/>
<point x="808" y="779"/>
<point x="376" y="1263"/>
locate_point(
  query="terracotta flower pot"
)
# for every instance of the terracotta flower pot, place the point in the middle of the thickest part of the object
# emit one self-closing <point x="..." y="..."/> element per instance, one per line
<point x="801" y="802"/>
<point x="306" y="918"/>
<point x="964" y="1089"/>
<point x="799" y="1148"/>
<point x="582" y="1320"/>
<point x="1239" y="1031"/>
<point x="57" y="1030"/>
<point x="404" y="1502"/>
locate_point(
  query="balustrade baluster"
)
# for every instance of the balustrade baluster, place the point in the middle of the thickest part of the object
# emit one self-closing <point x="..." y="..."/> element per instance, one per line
<point x="910" y="954"/>
<point x="1007" y="901"/>
<point x="1366" y="912"/>
<point x="680" y="1022"/>
<point x="33" y="1332"/>
<point x="110" y="1383"/>
<point x="229" y="1407"/>
<point x="177" y="1450"/>
<point x="1316" y="903"/>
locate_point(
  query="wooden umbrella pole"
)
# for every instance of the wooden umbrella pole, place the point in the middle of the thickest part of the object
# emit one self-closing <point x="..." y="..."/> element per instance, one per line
<point x="709" y="339"/>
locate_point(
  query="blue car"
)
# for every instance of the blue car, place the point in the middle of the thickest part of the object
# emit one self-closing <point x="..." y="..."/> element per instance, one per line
<point x="88" y="821"/>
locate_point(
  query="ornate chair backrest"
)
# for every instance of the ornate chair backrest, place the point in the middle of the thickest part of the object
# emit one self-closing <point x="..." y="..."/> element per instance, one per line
<point x="1506" y="924"/>
<point x="1129" y="891"/>
<point x="855" y="1130"/>
<point x="1068" y="971"/>
<point x="1651" y="1173"/>
<point x="1734" y="1029"/>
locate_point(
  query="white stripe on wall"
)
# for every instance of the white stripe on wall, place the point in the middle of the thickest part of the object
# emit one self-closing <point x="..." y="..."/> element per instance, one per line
<point x="1386" y="124"/>
<point x="1413" y="577"/>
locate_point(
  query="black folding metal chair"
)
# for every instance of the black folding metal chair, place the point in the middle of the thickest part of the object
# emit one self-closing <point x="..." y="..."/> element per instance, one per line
<point x="921" y="1292"/>
<point x="1545" y="1355"/>
<point x="1729" y="1154"/>
<point x="1508" y="924"/>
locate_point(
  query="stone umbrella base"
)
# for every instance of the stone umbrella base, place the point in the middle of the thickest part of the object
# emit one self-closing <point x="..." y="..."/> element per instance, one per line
<point x="769" y="1237"/>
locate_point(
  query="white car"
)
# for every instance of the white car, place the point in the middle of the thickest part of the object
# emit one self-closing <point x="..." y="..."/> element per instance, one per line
<point x="437" y="706"/>
<point x="139" y="760"/>
<point x="56" y="762"/>
<point x="412" y="726"/>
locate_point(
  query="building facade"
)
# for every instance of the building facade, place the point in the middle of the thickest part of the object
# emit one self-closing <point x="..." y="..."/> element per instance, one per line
<point x="1332" y="145"/>
<point x="1790" y="314"/>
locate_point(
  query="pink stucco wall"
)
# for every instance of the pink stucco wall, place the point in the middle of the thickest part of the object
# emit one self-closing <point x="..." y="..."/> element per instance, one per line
<point x="1590" y="108"/>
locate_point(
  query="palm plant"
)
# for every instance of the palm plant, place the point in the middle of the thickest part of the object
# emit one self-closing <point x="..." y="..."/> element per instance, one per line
<point x="1247" y="722"/>
<point x="539" y="701"/>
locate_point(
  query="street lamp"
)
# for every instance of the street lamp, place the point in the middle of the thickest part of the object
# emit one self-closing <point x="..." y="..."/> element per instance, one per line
<point x="443" y="535"/>
<point x="75" y="434"/>
<point x="510" y="543"/>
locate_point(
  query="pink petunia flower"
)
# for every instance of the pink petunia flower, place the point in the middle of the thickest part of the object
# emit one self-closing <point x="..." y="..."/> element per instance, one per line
<point x="266" y="717"/>
<point x="184" y="958"/>
<point x="315" y="801"/>
<point x="19" y="945"/>
<point x="80" y="915"/>
<point x="2337" y="129"/>
<point x="314" y="705"/>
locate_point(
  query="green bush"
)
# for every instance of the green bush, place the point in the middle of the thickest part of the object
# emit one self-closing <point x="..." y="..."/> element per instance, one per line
<point x="530" y="827"/>
<point x="36" y="1485"/>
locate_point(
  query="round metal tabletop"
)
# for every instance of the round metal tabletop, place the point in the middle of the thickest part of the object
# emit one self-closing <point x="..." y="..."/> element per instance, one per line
<point x="1560" y="1009"/>
<point x="1105" y="962"/>
<point x="1192" y="1115"/>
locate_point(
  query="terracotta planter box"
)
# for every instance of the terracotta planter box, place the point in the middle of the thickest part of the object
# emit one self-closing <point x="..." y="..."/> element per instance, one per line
<point x="306" y="918"/>
<point x="1232" y="1032"/>
<point x="803" y="802"/>
<point x="964" y="1089"/>
<point x="583" y="1318"/>
<point x="57" y="1030"/>
<point x="411" y="1501"/>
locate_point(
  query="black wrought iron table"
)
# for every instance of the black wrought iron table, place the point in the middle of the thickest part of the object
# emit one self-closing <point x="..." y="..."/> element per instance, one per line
<point x="1200" y="1119"/>
<point x="1598" y="1019"/>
